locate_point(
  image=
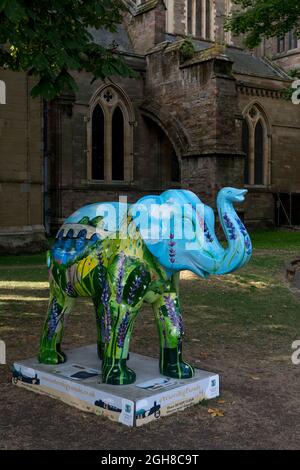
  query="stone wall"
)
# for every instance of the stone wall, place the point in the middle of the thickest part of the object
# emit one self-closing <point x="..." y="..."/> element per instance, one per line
<point x="146" y="25"/>
<point x="70" y="186"/>
<point x="21" y="175"/>
<point x="201" y="97"/>
<point x="179" y="17"/>
<point x="283" y="121"/>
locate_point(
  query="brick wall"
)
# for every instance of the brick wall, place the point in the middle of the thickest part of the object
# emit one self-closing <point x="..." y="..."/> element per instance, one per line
<point x="147" y="26"/>
<point x="201" y="96"/>
<point x="21" y="180"/>
<point x="283" y="121"/>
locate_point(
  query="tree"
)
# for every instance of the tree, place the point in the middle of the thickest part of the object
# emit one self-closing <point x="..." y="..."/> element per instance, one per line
<point x="50" y="38"/>
<point x="264" y="18"/>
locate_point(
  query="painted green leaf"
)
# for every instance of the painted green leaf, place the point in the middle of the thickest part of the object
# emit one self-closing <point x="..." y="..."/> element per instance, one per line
<point x="84" y="221"/>
<point x="95" y="221"/>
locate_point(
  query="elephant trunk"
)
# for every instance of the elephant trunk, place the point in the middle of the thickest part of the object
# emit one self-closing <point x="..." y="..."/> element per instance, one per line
<point x="239" y="249"/>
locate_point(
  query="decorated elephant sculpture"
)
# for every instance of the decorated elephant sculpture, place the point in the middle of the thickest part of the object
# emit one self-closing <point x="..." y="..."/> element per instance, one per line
<point x="122" y="256"/>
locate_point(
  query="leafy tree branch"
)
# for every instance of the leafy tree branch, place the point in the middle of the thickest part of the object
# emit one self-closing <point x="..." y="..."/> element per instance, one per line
<point x="263" y="18"/>
<point x="50" y="38"/>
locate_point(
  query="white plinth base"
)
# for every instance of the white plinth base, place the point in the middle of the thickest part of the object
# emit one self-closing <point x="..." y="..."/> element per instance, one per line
<point x="78" y="383"/>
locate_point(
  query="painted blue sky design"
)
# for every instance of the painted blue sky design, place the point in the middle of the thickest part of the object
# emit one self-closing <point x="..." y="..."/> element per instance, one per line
<point x="117" y="210"/>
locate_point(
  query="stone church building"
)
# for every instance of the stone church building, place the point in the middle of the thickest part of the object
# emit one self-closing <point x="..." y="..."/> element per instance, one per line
<point x="212" y="116"/>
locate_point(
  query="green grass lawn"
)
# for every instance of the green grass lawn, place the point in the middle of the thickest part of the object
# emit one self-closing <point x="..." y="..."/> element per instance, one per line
<point x="240" y="325"/>
<point x="276" y="240"/>
<point x="23" y="260"/>
<point x="255" y="297"/>
<point x="261" y="239"/>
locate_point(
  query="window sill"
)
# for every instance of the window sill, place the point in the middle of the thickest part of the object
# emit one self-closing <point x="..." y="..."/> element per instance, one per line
<point x="102" y="184"/>
<point x="289" y="52"/>
<point x="257" y="187"/>
<point x="105" y="182"/>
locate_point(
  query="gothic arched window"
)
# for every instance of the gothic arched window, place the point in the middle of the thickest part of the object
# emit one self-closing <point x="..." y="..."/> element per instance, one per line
<point x="256" y="146"/>
<point x="190" y="16"/>
<point x="110" y="136"/>
<point x="117" y="145"/>
<point x="259" y="153"/>
<point x="208" y="19"/>
<point x="245" y="148"/>
<point x="198" y="18"/>
<point x="287" y="42"/>
<point x="97" y="143"/>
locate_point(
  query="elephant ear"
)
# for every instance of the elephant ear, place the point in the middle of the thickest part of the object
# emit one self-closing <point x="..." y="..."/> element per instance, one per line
<point x="148" y="216"/>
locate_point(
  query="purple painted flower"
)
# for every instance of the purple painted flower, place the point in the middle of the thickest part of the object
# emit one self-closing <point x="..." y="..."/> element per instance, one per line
<point x="70" y="291"/>
<point x="120" y="274"/>
<point x="123" y="330"/>
<point x="207" y="234"/>
<point x="101" y="269"/>
<point x="248" y="245"/>
<point x="106" y="318"/>
<point x="241" y="226"/>
<point x="172" y="313"/>
<point x="172" y="251"/>
<point x="100" y="256"/>
<point x="230" y="227"/>
<point x="105" y="294"/>
<point x="245" y="234"/>
<point x="204" y="227"/>
<point x="138" y="280"/>
<point x="106" y="325"/>
<point x="53" y="320"/>
<point x="181" y="325"/>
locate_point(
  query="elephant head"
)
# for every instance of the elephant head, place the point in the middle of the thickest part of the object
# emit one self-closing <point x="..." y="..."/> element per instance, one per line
<point x="178" y="230"/>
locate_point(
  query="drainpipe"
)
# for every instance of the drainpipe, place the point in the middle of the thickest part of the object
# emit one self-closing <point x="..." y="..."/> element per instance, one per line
<point x="45" y="167"/>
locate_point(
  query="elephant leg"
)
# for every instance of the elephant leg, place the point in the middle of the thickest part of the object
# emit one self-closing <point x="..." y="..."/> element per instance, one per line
<point x="170" y="328"/>
<point x="60" y="304"/>
<point x="114" y="368"/>
<point x="103" y="328"/>
<point x="101" y="323"/>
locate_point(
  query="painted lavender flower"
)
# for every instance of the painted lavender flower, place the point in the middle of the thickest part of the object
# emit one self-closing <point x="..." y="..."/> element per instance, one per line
<point x="207" y="234"/>
<point x="53" y="320"/>
<point x="241" y="226"/>
<point x="230" y="226"/>
<point x="245" y="234"/>
<point x="172" y="313"/>
<point x="70" y="291"/>
<point x="106" y="319"/>
<point x="181" y="325"/>
<point x="120" y="274"/>
<point x="248" y="245"/>
<point x="123" y="330"/>
<point x="138" y="280"/>
<point x="204" y="227"/>
<point x="172" y="252"/>
<point x="106" y="325"/>
<point x="101" y="269"/>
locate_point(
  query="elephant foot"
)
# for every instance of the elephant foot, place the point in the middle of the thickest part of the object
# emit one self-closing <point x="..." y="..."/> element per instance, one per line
<point x="115" y="372"/>
<point x="173" y="366"/>
<point x="52" y="356"/>
<point x="100" y="352"/>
